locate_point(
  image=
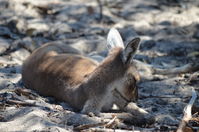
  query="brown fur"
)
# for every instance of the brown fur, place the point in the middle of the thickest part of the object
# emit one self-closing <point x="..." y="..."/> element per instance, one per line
<point x="53" y="73"/>
<point x="62" y="72"/>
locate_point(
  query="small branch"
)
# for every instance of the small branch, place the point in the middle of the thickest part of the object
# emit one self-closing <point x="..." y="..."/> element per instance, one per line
<point x="25" y="92"/>
<point x="108" y="124"/>
<point x="17" y="102"/>
<point x="187" y="109"/>
<point x="141" y="96"/>
<point x="191" y="67"/>
<point x="106" y="130"/>
<point x="178" y="70"/>
<point x="87" y="126"/>
<point x="187" y="113"/>
<point x="111" y="123"/>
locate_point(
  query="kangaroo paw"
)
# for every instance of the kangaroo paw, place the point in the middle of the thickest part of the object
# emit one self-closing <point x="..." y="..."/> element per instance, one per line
<point x="141" y="115"/>
<point x="91" y="113"/>
<point x="91" y="108"/>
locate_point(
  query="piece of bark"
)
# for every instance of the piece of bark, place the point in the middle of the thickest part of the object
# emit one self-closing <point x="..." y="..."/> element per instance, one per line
<point x="187" y="114"/>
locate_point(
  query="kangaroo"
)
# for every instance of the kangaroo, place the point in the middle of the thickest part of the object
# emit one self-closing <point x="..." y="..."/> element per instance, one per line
<point x="63" y="72"/>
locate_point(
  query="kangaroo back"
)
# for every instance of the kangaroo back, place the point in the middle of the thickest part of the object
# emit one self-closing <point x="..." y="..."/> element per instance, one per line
<point x="54" y="67"/>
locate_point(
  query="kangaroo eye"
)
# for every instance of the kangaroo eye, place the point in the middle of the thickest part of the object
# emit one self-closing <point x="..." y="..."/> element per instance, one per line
<point x="130" y="77"/>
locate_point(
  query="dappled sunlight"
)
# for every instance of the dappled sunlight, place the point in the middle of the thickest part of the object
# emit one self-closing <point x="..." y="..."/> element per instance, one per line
<point x="167" y="60"/>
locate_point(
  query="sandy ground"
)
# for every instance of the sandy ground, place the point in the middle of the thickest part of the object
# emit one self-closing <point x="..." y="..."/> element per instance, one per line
<point x="170" y="38"/>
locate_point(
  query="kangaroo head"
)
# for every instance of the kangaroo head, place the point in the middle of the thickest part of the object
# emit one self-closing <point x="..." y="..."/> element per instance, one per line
<point x="126" y="86"/>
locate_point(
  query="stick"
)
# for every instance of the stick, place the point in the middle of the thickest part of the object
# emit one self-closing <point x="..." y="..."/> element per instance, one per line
<point x="10" y="101"/>
<point x="191" y="67"/>
<point x="142" y="96"/>
<point x="25" y="92"/>
<point x="178" y="70"/>
<point x="111" y="122"/>
<point x="105" y="124"/>
<point x="187" y="113"/>
<point x="87" y="126"/>
<point x="108" y="130"/>
<point x="108" y="123"/>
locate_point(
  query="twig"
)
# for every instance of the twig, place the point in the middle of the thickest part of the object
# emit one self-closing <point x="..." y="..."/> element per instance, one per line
<point x="187" y="113"/>
<point x="25" y="92"/>
<point x="87" y="126"/>
<point x="195" y="119"/>
<point x="17" y="102"/>
<point x="192" y="77"/>
<point x="108" y="130"/>
<point x="191" y="67"/>
<point x="178" y="70"/>
<point x="156" y="96"/>
<point x="105" y="124"/>
<point x="111" y="122"/>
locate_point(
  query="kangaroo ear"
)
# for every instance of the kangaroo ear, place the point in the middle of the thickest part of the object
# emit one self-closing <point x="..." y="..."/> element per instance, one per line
<point x="114" y="39"/>
<point x="130" y="49"/>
